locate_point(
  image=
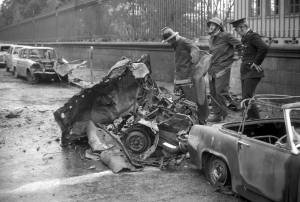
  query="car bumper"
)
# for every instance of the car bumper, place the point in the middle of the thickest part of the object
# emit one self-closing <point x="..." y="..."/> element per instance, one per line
<point x="49" y="76"/>
<point x="45" y="73"/>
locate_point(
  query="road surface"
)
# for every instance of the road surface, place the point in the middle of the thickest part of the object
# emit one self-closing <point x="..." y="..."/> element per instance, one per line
<point x="34" y="167"/>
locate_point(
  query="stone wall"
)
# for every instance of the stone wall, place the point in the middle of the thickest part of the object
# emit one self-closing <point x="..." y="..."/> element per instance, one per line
<point x="282" y="64"/>
<point x="282" y="71"/>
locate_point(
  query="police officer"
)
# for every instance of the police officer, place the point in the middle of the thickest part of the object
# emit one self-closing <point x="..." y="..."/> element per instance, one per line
<point x="253" y="54"/>
<point x="221" y="45"/>
<point x="187" y="55"/>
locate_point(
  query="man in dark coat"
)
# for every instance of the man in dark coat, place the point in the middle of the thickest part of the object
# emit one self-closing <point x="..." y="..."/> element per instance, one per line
<point x="253" y="54"/>
<point x="221" y="46"/>
<point x="187" y="58"/>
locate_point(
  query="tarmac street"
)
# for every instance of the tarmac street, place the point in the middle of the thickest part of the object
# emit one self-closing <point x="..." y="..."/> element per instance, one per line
<point x="34" y="167"/>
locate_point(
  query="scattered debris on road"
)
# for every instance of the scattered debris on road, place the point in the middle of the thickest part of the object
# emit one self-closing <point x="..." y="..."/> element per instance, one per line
<point x="14" y="113"/>
<point x="92" y="167"/>
<point x="63" y="67"/>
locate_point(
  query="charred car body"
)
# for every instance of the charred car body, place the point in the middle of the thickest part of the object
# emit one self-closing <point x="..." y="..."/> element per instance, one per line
<point x="259" y="159"/>
<point x="37" y="63"/>
<point x="129" y="104"/>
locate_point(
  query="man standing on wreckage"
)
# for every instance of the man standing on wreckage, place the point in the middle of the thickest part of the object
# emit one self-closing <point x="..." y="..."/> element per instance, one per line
<point x="189" y="71"/>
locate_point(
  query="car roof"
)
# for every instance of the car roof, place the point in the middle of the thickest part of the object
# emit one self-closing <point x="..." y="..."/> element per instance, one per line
<point x="292" y="105"/>
<point x="3" y="44"/>
<point x="41" y="48"/>
<point x="23" y="46"/>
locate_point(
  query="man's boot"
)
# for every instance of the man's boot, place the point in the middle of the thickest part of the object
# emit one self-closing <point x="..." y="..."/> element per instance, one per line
<point x="234" y="105"/>
<point x="215" y="118"/>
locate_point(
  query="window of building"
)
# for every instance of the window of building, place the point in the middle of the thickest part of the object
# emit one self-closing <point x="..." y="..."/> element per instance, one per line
<point x="255" y="8"/>
<point x="273" y="8"/>
<point x="292" y="6"/>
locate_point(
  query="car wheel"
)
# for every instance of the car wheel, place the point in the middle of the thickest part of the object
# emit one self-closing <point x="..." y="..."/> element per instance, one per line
<point x="32" y="78"/>
<point x="136" y="139"/>
<point x="216" y="171"/>
<point x="65" y="78"/>
<point x="15" y="73"/>
<point x="6" y="67"/>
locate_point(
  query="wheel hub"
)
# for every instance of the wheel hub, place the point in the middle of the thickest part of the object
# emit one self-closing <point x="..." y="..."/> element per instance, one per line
<point x="219" y="173"/>
<point x="137" y="141"/>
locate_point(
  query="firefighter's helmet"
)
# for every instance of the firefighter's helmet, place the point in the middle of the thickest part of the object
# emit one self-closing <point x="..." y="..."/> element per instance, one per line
<point x="167" y="33"/>
<point x="217" y="21"/>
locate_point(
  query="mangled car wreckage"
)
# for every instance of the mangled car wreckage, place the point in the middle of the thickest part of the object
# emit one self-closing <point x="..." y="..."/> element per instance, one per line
<point x="130" y="107"/>
<point x="258" y="159"/>
<point x="127" y="117"/>
<point x="38" y="63"/>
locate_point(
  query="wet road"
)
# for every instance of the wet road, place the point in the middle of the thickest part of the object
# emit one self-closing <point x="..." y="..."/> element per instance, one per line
<point x="33" y="166"/>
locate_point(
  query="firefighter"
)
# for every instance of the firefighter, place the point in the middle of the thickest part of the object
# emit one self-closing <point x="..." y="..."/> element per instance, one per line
<point x="253" y="54"/>
<point x="221" y="46"/>
<point x="187" y="55"/>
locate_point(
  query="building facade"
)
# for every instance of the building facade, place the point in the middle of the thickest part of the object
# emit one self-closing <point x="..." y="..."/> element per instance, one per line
<point x="276" y="20"/>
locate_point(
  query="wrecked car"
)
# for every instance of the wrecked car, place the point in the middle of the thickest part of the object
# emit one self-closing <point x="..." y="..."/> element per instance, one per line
<point x="128" y="105"/>
<point x="258" y="159"/>
<point x="37" y="63"/>
<point x="120" y="92"/>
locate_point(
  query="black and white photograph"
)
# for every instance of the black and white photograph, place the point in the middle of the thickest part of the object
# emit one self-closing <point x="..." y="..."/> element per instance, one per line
<point x="150" y="100"/>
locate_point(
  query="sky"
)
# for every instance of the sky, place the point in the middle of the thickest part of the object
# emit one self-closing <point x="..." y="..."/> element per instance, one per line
<point x="1" y="2"/>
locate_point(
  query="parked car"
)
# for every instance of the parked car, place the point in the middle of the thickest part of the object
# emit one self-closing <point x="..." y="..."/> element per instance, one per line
<point x="37" y="63"/>
<point x="3" y="52"/>
<point x="259" y="159"/>
<point x="10" y="57"/>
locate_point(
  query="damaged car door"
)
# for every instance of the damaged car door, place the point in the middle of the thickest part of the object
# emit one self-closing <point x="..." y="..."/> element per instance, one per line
<point x="21" y="63"/>
<point x="262" y="167"/>
<point x="266" y="155"/>
<point x="258" y="159"/>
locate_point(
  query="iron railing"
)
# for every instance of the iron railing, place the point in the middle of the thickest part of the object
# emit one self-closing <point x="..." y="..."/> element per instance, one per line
<point x="142" y="20"/>
<point x="278" y="20"/>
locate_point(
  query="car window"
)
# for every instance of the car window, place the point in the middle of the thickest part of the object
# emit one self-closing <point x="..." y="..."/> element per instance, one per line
<point x="16" y="50"/>
<point x="23" y="53"/>
<point x="51" y="54"/>
<point x="42" y="54"/>
<point x="20" y="53"/>
<point x="9" y="50"/>
<point x="4" y="48"/>
<point x="33" y="53"/>
<point x="295" y="113"/>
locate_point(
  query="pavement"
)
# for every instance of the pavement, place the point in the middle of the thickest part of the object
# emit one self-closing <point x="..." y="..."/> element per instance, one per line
<point x="34" y="167"/>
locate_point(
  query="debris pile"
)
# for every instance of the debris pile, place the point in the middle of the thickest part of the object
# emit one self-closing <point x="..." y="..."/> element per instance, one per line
<point x="128" y="119"/>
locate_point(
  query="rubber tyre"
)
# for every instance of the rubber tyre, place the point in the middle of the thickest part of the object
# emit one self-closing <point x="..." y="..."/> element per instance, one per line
<point x="15" y="73"/>
<point x="32" y="78"/>
<point x="65" y="78"/>
<point x="136" y="139"/>
<point x="217" y="172"/>
<point x="6" y="67"/>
